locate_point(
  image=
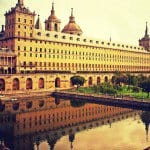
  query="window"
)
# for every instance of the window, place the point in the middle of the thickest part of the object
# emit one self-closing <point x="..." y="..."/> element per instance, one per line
<point x="48" y="35"/>
<point x="18" y="47"/>
<point x="24" y="63"/>
<point x="56" y="27"/>
<point x="64" y="37"/>
<point x="18" y="19"/>
<point x="56" y="36"/>
<point x="25" y="20"/>
<point x="39" y="33"/>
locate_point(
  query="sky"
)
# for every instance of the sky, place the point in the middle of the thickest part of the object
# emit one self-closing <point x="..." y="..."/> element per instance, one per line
<point x="122" y="20"/>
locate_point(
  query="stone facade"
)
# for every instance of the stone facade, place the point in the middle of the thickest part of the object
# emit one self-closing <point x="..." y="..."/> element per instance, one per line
<point x="47" y="59"/>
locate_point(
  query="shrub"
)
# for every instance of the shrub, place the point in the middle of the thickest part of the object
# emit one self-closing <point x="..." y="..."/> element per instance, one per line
<point x="135" y="89"/>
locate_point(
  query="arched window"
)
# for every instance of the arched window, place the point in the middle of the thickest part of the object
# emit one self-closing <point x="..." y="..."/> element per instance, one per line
<point x="57" y="82"/>
<point x="2" y="85"/>
<point x="29" y="83"/>
<point x="16" y="84"/>
<point x="98" y="80"/>
<point x="106" y="79"/>
<point x="56" y="27"/>
<point x="90" y="81"/>
<point x="41" y="83"/>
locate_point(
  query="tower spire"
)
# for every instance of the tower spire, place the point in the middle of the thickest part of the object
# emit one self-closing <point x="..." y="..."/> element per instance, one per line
<point x="20" y="2"/>
<point x="146" y="31"/>
<point x="72" y="12"/>
<point x="38" y="23"/>
<point x="53" y="10"/>
<point x="72" y="18"/>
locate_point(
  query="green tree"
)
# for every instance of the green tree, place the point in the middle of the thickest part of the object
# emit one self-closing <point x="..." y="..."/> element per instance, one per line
<point x="77" y="80"/>
<point x="119" y="78"/>
<point x="145" y="85"/>
<point x="132" y="80"/>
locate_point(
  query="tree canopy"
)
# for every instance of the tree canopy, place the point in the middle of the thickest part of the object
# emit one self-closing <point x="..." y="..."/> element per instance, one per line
<point x="77" y="80"/>
<point x="145" y="85"/>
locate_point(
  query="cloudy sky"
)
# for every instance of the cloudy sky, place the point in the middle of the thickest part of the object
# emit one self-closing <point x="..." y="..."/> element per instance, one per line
<point x="123" y="20"/>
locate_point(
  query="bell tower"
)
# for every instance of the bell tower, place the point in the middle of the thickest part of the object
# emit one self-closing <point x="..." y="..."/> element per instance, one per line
<point x="145" y="41"/>
<point x="52" y="23"/>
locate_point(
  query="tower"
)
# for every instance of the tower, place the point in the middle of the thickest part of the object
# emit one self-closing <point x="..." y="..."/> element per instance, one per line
<point x="145" y="41"/>
<point x="19" y="27"/>
<point x="19" y="21"/>
<point x="52" y="23"/>
<point x="72" y="27"/>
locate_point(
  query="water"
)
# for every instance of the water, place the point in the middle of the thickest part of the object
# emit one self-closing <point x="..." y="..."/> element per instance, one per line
<point x="49" y="123"/>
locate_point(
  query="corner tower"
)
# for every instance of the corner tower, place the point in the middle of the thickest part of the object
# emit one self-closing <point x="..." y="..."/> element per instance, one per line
<point x="145" y="41"/>
<point x="52" y="23"/>
<point x="19" y="21"/>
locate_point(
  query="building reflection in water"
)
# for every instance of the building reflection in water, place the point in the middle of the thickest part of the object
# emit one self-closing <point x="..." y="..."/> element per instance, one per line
<point x="25" y="124"/>
<point x="145" y="117"/>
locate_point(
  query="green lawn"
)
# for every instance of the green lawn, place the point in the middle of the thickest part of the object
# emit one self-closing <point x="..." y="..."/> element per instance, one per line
<point x="123" y="91"/>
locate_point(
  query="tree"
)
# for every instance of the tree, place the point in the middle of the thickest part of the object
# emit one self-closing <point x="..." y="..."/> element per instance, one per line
<point x="77" y="80"/>
<point x="145" y="85"/>
<point x="119" y="78"/>
<point x="132" y="80"/>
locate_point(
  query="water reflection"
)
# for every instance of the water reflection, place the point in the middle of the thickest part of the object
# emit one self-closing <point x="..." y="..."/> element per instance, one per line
<point x="145" y="117"/>
<point x="41" y="123"/>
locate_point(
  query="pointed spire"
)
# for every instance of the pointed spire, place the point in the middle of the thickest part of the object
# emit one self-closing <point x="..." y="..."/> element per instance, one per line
<point x="146" y="31"/>
<point x="72" y="12"/>
<point x="72" y="18"/>
<point x="38" y="23"/>
<point x="53" y="10"/>
<point x="20" y="2"/>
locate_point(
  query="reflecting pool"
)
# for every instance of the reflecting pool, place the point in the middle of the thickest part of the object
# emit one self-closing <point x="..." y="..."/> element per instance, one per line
<point x="47" y="123"/>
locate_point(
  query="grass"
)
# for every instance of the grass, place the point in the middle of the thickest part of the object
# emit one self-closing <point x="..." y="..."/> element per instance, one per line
<point x="125" y="90"/>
